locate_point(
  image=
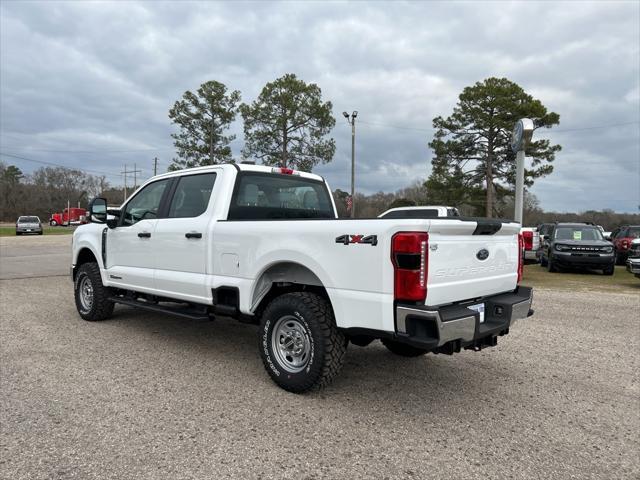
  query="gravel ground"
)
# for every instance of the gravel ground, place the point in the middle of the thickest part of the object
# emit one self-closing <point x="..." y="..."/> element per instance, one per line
<point x="151" y="396"/>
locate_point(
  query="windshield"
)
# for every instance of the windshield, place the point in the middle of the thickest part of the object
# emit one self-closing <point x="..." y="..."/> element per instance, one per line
<point x="28" y="220"/>
<point x="634" y="232"/>
<point x="259" y="196"/>
<point x="578" y="233"/>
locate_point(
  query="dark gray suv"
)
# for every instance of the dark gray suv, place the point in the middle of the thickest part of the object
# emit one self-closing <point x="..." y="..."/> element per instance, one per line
<point x="28" y="224"/>
<point x="577" y="245"/>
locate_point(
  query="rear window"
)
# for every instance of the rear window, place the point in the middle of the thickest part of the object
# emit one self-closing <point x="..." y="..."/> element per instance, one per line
<point x="259" y="196"/>
<point x="421" y="213"/>
<point x="28" y="220"/>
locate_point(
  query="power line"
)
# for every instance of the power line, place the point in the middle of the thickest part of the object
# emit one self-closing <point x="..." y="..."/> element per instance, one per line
<point x="58" y="165"/>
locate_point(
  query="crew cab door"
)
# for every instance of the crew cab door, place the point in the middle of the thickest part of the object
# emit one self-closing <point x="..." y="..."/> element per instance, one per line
<point x="182" y="239"/>
<point x="130" y="259"/>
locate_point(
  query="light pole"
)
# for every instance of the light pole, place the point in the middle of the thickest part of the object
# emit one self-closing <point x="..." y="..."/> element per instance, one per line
<point x="351" y="120"/>
<point x="522" y="132"/>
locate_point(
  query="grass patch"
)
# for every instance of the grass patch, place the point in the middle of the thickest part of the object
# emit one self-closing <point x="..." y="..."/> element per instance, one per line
<point x="11" y="231"/>
<point x="585" y="280"/>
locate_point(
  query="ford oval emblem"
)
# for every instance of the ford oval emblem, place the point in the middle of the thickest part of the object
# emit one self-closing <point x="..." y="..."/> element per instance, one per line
<point x="482" y="254"/>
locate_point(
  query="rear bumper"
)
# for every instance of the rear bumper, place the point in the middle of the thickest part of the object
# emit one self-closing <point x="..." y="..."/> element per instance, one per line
<point x="28" y="229"/>
<point x="450" y="328"/>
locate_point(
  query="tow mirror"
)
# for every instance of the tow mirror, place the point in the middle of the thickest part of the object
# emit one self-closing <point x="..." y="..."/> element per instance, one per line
<point x="98" y="210"/>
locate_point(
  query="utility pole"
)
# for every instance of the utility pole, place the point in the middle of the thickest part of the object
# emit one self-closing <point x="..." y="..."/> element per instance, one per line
<point x="126" y="172"/>
<point x="155" y="166"/>
<point x="125" y="183"/>
<point x="351" y="120"/>
<point x="522" y="132"/>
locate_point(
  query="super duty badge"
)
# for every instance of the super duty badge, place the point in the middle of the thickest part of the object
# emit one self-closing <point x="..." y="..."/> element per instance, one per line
<point x="365" y="239"/>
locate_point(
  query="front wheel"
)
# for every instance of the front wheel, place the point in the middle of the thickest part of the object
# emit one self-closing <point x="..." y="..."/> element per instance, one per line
<point x="402" y="349"/>
<point x="92" y="297"/>
<point x="551" y="266"/>
<point x="300" y="345"/>
<point x="609" y="270"/>
<point x="53" y="223"/>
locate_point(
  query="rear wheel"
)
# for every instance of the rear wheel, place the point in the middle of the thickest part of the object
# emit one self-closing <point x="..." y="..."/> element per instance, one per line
<point x="402" y="349"/>
<point x="300" y="345"/>
<point x="92" y="297"/>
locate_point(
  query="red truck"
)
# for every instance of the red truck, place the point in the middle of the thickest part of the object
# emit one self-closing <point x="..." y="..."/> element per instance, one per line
<point x="69" y="216"/>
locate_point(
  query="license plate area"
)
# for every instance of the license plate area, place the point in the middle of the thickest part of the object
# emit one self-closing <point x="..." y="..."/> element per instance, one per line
<point x="479" y="307"/>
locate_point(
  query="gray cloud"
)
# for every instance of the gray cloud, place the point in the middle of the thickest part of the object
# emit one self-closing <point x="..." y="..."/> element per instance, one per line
<point x="101" y="77"/>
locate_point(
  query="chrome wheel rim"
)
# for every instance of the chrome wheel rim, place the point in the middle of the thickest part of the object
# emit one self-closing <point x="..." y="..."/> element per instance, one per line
<point x="85" y="289"/>
<point x="291" y="344"/>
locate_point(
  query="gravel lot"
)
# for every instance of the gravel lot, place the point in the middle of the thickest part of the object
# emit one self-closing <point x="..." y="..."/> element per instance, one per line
<point x="151" y="396"/>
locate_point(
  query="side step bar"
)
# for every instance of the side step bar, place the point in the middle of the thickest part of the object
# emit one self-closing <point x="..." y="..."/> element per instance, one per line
<point x="190" y="313"/>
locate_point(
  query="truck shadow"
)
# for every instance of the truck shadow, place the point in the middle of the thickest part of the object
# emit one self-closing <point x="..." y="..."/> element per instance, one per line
<point x="371" y="376"/>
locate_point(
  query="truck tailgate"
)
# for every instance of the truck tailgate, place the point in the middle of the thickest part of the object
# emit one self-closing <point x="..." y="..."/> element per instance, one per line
<point x="468" y="260"/>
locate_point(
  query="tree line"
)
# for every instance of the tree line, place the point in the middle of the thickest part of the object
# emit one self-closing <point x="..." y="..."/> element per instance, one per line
<point x="47" y="190"/>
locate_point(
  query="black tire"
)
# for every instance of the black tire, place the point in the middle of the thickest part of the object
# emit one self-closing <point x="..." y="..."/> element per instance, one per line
<point x="18" y="233"/>
<point x="609" y="270"/>
<point x="543" y="261"/>
<point x="551" y="266"/>
<point x="322" y="348"/>
<point x="53" y="223"/>
<point x="40" y="233"/>
<point x="402" y="349"/>
<point x="100" y="307"/>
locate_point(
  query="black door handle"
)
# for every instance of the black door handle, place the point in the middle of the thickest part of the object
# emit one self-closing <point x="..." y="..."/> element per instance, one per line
<point x="144" y="235"/>
<point x="193" y="235"/>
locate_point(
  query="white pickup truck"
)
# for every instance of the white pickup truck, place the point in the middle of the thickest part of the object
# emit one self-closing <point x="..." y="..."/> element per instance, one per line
<point x="264" y="245"/>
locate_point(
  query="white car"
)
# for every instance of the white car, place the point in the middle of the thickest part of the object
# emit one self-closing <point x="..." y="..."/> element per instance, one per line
<point x="633" y="260"/>
<point x="425" y="211"/>
<point x="264" y="245"/>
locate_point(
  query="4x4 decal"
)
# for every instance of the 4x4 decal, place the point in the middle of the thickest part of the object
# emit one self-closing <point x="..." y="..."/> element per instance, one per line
<point x="365" y="239"/>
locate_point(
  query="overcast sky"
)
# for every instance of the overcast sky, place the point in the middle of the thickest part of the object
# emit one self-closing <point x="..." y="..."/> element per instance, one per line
<point x="89" y="85"/>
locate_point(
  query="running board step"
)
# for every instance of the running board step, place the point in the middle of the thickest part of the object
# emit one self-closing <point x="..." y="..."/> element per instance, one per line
<point x="190" y="313"/>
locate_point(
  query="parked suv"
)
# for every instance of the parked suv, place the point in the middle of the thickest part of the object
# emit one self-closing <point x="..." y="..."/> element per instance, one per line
<point x="577" y="245"/>
<point x="622" y="238"/>
<point x="28" y="224"/>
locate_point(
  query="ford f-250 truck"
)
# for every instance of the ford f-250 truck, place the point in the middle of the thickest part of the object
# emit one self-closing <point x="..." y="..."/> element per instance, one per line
<point x="264" y="245"/>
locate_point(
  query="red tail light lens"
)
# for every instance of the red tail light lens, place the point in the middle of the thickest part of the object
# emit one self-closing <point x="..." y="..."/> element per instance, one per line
<point x="409" y="255"/>
<point x="527" y="236"/>
<point x="520" y="256"/>
<point x="284" y="171"/>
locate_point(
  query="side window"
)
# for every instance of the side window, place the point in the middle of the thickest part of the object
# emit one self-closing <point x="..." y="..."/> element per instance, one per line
<point x="145" y="204"/>
<point x="192" y="194"/>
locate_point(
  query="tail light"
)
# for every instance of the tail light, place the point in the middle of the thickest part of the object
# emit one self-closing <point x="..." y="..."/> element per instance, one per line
<point x="409" y="255"/>
<point x="520" y="256"/>
<point x="528" y="239"/>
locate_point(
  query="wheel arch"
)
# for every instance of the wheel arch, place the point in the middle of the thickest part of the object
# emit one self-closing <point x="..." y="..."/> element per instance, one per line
<point x="284" y="277"/>
<point x="85" y="255"/>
